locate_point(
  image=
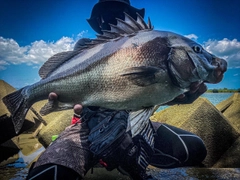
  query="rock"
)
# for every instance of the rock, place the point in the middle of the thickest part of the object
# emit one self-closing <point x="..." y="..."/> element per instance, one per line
<point x="222" y="106"/>
<point x="7" y="130"/>
<point x="13" y="173"/>
<point x="165" y="174"/>
<point x="231" y="110"/>
<point x="10" y="160"/>
<point x="195" y="173"/>
<point x="24" y="142"/>
<point x="9" y="140"/>
<point x="103" y="174"/>
<point x="8" y="149"/>
<point x="56" y="123"/>
<point x="5" y="89"/>
<point x="220" y="132"/>
<point x="230" y="159"/>
<point x="27" y="144"/>
<point x="203" y="119"/>
<point x="6" y="126"/>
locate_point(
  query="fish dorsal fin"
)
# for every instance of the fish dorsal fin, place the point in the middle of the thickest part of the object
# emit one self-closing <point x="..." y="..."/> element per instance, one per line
<point x="134" y="24"/>
<point x="126" y="27"/>
<point x="109" y="35"/>
<point x="141" y="22"/>
<point x="55" y="61"/>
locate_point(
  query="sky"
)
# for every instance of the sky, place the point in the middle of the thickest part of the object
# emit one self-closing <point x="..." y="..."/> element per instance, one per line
<point x="31" y="31"/>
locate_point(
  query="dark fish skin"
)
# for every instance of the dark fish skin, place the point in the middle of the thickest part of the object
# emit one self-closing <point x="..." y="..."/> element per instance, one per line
<point x="131" y="72"/>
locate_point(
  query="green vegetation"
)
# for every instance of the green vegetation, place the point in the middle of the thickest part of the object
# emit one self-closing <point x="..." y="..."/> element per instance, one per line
<point x="224" y="90"/>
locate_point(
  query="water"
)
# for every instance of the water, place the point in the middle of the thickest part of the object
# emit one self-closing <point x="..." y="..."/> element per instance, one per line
<point x="214" y="98"/>
<point x="24" y="161"/>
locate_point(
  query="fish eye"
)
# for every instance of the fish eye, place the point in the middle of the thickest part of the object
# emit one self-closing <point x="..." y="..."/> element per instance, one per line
<point x="197" y="49"/>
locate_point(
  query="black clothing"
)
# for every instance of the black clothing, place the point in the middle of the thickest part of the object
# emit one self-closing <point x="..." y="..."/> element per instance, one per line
<point x="173" y="147"/>
<point x="106" y="11"/>
<point x="52" y="171"/>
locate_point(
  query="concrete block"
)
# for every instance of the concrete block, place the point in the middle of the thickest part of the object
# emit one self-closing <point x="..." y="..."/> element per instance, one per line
<point x="205" y="120"/>
<point x="6" y="126"/>
<point x="56" y="123"/>
<point x="232" y="111"/>
<point x="230" y="159"/>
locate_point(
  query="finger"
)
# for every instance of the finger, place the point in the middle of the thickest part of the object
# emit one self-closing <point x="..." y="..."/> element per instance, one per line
<point x="202" y="88"/>
<point x="194" y="87"/>
<point x="78" y="109"/>
<point x="181" y="96"/>
<point x="52" y="96"/>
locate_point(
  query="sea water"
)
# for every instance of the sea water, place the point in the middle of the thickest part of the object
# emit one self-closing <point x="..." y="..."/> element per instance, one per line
<point x="214" y="98"/>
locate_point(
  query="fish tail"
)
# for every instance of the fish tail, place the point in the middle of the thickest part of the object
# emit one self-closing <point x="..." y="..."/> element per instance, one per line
<point x="17" y="105"/>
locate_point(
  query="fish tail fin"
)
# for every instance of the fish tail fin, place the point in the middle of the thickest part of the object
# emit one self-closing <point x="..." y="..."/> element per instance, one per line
<point x="17" y="105"/>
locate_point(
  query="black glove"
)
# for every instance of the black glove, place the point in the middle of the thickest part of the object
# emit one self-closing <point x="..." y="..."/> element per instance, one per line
<point x="195" y="91"/>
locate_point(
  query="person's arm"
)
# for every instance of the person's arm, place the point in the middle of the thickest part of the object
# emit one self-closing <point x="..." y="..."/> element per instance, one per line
<point x="196" y="90"/>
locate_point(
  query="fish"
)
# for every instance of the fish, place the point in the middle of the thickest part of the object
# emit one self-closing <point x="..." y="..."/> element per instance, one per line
<point x="130" y="67"/>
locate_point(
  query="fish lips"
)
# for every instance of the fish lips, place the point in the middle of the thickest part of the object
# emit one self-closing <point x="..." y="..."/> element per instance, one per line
<point x="217" y="74"/>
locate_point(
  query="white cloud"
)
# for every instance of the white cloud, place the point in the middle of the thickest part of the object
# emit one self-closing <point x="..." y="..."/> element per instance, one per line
<point x="3" y="64"/>
<point x="34" y="54"/>
<point x="192" y="36"/>
<point x="38" y="52"/>
<point x="227" y="49"/>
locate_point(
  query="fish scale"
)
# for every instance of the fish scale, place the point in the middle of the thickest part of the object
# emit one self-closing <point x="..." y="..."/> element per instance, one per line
<point x="123" y="69"/>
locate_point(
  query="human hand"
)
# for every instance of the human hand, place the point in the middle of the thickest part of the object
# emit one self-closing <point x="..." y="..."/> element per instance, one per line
<point x="52" y="98"/>
<point x="78" y="109"/>
<point x="196" y="90"/>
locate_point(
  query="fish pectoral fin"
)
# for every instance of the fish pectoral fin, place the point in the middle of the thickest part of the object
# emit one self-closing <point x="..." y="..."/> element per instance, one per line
<point x="55" y="105"/>
<point x="143" y="75"/>
<point x="138" y="119"/>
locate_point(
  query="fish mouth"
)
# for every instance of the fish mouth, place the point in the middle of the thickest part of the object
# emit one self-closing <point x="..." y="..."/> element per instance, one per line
<point x="220" y="67"/>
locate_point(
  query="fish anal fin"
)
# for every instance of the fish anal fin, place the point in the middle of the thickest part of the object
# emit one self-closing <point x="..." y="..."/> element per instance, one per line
<point x="54" y="105"/>
<point x="143" y="75"/>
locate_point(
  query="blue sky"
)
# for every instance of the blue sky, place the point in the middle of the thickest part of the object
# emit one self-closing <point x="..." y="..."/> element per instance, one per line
<point x="33" y="30"/>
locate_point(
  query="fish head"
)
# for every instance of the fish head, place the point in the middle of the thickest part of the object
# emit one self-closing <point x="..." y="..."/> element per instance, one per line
<point x="189" y="62"/>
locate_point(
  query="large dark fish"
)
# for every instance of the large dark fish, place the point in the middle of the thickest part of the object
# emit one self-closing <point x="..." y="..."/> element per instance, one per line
<point x="131" y="67"/>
